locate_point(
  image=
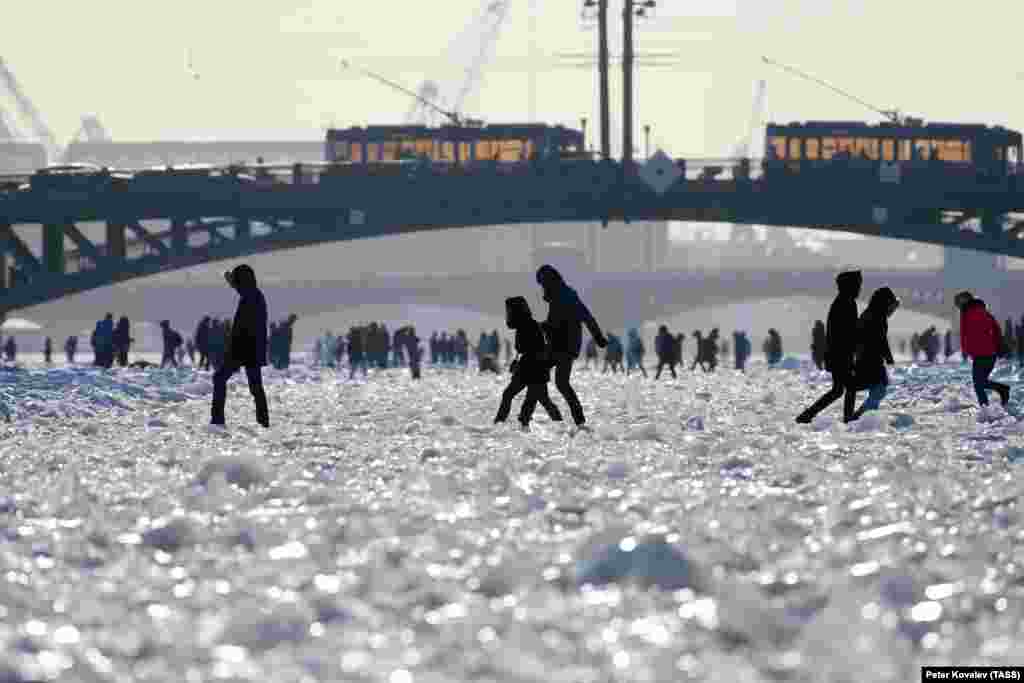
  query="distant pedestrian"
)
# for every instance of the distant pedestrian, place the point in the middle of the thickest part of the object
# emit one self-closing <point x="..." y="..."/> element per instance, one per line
<point x="873" y="351"/>
<point x="698" y="358"/>
<point x="48" y="351"/>
<point x="70" y="348"/>
<point x="948" y="346"/>
<point x="635" y="352"/>
<point x="412" y="350"/>
<point x="203" y="342"/>
<point x="122" y="340"/>
<point x="840" y="345"/>
<point x="566" y="317"/>
<point x="742" y="349"/>
<point x="247" y="347"/>
<point x="171" y="341"/>
<point x="613" y="354"/>
<point x="531" y="370"/>
<point x="818" y="343"/>
<point x="710" y="351"/>
<point x="664" y="348"/>
<point x="10" y="350"/>
<point x="980" y="338"/>
<point x="590" y="354"/>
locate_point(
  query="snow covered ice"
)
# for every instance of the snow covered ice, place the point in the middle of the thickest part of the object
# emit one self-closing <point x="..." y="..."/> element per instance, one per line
<point x="384" y="530"/>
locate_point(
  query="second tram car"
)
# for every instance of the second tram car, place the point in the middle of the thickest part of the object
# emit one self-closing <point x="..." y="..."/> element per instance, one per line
<point x="799" y="147"/>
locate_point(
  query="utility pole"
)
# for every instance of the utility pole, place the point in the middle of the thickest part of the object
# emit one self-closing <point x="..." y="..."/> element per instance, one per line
<point x="627" y="86"/>
<point x="532" y="95"/>
<point x="602" y="61"/>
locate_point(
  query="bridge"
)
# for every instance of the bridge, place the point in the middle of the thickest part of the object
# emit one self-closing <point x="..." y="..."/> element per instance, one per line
<point x="255" y="210"/>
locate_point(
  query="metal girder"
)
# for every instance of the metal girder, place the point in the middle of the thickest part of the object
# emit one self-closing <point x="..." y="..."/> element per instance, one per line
<point x="148" y="238"/>
<point x="22" y="254"/>
<point x="85" y="245"/>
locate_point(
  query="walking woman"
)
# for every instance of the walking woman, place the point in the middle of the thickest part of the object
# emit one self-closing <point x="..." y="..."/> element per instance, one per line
<point x="873" y="352"/>
<point x="980" y="338"/>
<point x="566" y="317"/>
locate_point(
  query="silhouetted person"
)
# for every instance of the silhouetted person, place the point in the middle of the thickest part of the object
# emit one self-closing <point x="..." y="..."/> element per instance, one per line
<point x="1020" y="343"/>
<point x="171" y="341"/>
<point x="773" y="347"/>
<point x="247" y="347"/>
<point x="412" y="350"/>
<point x="665" y="348"/>
<point x="103" y="341"/>
<point x="10" y="350"/>
<point x="840" y="345"/>
<point x="698" y="358"/>
<point x="948" y="350"/>
<point x="70" y="348"/>
<point x="356" y="352"/>
<point x="122" y="340"/>
<point x="979" y="339"/>
<point x="566" y="317"/>
<point x="873" y="351"/>
<point x="216" y="343"/>
<point x="532" y="370"/>
<point x="48" y="351"/>
<point x="274" y="346"/>
<point x="915" y="346"/>
<point x="742" y="349"/>
<point x="635" y="352"/>
<point x="190" y="348"/>
<point x="710" y="351"/>
<point x="590" y="354"/>
<point x="818" y="344"/>
<point x="613" y="354"/>
<point x="202" y="337"/>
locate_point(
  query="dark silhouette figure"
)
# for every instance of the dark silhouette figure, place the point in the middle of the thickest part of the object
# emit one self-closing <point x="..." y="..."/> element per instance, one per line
<point x="840" y="345"/>
<point x="818" y="344"/>
<point x="948" y="350"/>
<point x="286" y="328"/>
<point x="665" y="348"/>
<point x="172" y="340"/>
<point x="532" y="370"/>
<point x="710" y="350"/>
<point x="247" y="347"/>
<point x="357" y="351"/>
<point x="772" y="347"/>
<point x="217" y="343"/>
<point x="566" y="317"/>
<point x="103" y="341"/>
<point x="613" y="354"/>
<point x="742" y="349"/>
<point x="274" y="346"/>
<point x="873" y="352"/>
<point x="590" y="354"/>
<point x="635" y="353"/>
<point x="10" y="350"/>
<point x="698" y="358"/>
<point x="202" y="337"/>
<point x="677" y="350"/>
<point x="70" y="348"/>
<point x="980" y="339"/>
<point x="190" y="349"/>
<point x="48" y="351"/>
<point x="412" y="350"/>
<point x="122" y="340"/>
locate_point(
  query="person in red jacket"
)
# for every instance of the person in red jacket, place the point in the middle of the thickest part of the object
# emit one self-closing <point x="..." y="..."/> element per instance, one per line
<point x="979" y="338"/>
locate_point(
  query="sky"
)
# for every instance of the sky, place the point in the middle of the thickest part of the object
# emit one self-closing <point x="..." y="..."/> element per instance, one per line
<point x="271" y="70"/>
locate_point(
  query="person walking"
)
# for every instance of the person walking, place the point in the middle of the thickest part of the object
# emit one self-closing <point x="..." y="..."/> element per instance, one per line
<point x="531" y="371"/>
<point x="873" y="352"/>
<point x="48" y="351"/>
<point x="566" y="317"/>
<point x="840" y="340"/>
<point x="247" y="347"/>
<point x="635" y="353"/>
<point x="818" y="344"/>
<point x="172" y="340"/>
<point x="202" y="337"/>
<point x="122" y="340"/>
<point x="980" y="338"/>
<point x="664" y="348"/>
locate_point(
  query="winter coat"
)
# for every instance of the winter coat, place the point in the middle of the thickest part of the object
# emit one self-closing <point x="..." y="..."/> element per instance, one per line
<point x="534" y="365"/>
<point x="979" y="331"/>
<point x="664" y="346"/>
<point x="248" y="341"/>
<point x="566" y="314"/>
<point x="873" y="340"/>
<point x="841" y="328"/>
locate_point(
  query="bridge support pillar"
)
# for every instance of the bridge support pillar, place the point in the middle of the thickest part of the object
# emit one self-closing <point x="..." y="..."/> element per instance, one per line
<point x="116" y="243"/>
<point x="53" y="248"/>
<point x="179" y="237"/>
<point x="593" y="241"/>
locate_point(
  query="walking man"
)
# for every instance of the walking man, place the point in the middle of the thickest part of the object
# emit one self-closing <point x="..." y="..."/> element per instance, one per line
<point x="980" y="339"/>
<point x="566" y="317"/>
<point x="247" y="348"/>
<point x="840" y="344"/>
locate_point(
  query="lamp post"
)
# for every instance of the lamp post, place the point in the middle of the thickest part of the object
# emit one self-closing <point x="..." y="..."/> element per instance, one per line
<point x="583" y="127"/>
<point x="647" y="141"/>
<point x="632" y="8"/>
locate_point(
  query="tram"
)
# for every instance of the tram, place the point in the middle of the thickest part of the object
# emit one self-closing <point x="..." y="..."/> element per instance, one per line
<point x="798" y="148"/>
<point x="454" y="144"/>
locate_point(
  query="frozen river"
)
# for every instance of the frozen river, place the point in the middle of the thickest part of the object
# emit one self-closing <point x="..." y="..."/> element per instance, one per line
<point x="386" y="531"/>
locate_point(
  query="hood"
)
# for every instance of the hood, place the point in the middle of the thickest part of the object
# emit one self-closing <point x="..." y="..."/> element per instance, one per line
<point x="881" y="300"/>
<point x="517" y="310"/>
<point x="549" y="278"/>
<point x="849" y="283"/>
<point x="243" y="278"/>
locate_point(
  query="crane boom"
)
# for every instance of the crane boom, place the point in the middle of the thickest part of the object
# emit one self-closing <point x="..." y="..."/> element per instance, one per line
<point x="452" y="116"/>
<point x="29" y="111"/>
<point x="891" y="114"/>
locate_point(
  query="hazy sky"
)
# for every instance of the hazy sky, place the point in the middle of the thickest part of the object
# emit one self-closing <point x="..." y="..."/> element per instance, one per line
<point x="270" y="69"/>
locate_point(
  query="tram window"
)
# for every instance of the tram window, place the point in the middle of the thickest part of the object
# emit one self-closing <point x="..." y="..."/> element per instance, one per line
<point x="952" y="150"/>
<point x="923" y="149"/>
<point x="904" y="150"/>
<point x="844" y="145"/>
<point x="389" y="151"/>
<point x="888" y="150"/>
<point x="372" y="152"/>
<point x="485" y="150"/>
<point x="811" y="146"/>
<point x="867" y="148"/>
<point x="424" y="147"/>
<point x="531" y="149"/>
<point x="464" y="149"/>
<point x="828" y="148"/>
<point x="407" y="148"/>
<point x="447" y="151"/>
<point x="511" y="150"/>
<point x="1011" y="155"/>
<point x="778" y="143"/>
<point x="794" y="148"/>
<point x="356" y="153"/>
<point x="999" y="153"/>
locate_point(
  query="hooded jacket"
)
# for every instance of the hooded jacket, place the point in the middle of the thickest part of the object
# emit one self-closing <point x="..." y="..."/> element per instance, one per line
<point x="873" y="339"/>
<point x="841" y="329"/>
<point x="533" y="367"/>
<point x="979" y="331"/>
<point x="248" y="345"/>
<point x="566" y="314"/>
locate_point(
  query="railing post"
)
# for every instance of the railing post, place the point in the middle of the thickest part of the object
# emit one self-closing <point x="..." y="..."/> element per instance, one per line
<point x="116" y="243"/>
<point x="297" y="174"/>
<point x="53" y="248"/>
<point x="179" y="237"/>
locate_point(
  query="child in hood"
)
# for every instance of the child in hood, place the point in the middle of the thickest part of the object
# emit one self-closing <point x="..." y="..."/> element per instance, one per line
<point x="872" y="351"/>
<point x="532" y="370"/>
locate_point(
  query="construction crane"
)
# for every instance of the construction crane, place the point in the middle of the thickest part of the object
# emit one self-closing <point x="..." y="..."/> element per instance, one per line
<point x="893" y="115"/>
<point x="452" y="116"/>
<point x="479" y="38"/>
<point x="91" y="130"/>
<point x="742" y="150"/>
<point x="28" y="111"/>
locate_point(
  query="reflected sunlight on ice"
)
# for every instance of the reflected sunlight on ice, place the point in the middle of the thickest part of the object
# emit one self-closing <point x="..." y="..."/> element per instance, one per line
<point x="384" y="530"/>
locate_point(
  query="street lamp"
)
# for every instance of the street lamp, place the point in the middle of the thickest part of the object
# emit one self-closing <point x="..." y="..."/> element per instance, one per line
<point x="602" y="58"/>
<point x="583" y="126"/>
<point x="647" y="141"/>
<point x="633" y="8"/>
